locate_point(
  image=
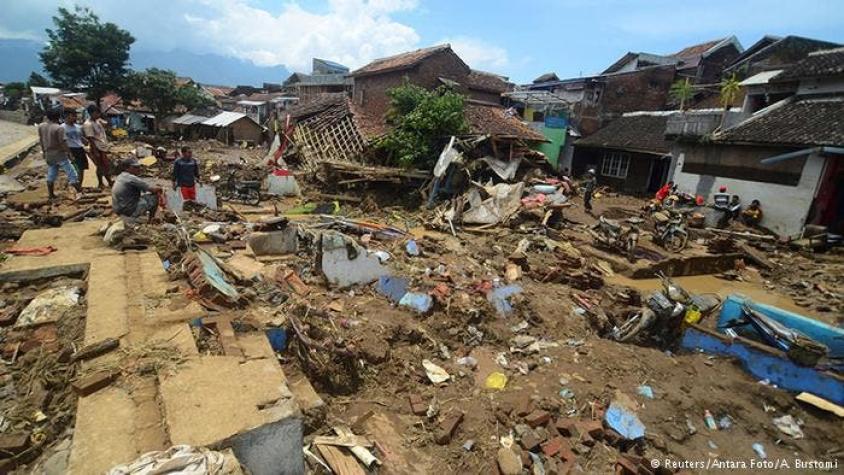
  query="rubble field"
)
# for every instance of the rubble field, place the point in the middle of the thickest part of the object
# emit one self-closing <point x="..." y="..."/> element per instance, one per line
<point x="431" y="345"/>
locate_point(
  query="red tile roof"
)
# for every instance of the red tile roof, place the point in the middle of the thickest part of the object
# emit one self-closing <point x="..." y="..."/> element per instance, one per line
<point x="400" y="61"/>
<point x="697" y="50"/>
<point x="493" y="120"/>
<point x="483" y="81"/>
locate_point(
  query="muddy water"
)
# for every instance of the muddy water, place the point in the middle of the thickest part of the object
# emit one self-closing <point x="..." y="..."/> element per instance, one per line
<point x="701" y="284"/>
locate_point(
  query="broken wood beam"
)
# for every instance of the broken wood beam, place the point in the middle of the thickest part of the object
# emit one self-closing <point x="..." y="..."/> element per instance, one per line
<point x="96" y="349"/>
<point x="745" y="235"/>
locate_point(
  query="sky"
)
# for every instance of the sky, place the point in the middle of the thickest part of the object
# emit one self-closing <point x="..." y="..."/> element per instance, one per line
<point x="519" y="39"/>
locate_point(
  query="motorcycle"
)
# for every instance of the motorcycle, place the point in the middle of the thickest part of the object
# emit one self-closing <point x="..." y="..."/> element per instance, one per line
<point x="670" y="230"/>
<point x="232" y="189"/>
<point x="614" y="235"/>
<point x="665" y="313"/>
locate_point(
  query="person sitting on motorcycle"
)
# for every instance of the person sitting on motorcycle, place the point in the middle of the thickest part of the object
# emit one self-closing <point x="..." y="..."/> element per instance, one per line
<point x="731" y="211"/>
<point x="664" y="192"/>
<point x="186" y="174"/>
<point x="753" y="214"/>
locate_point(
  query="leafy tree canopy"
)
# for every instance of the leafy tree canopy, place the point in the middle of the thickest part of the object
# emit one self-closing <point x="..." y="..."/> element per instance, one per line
<point x="36" y="79"/>
<point x="422" y="120"/>
<point x="159" y="90"/>
<point x="85" y="53"/>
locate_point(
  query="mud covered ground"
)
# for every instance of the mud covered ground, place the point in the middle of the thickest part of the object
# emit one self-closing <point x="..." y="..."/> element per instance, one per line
<point x="572" y="295"/>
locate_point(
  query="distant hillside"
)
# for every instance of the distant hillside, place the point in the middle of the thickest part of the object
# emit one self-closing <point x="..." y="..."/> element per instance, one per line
<point x="20" y="57"/>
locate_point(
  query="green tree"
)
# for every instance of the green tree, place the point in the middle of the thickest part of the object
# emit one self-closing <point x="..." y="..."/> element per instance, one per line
<point x="421" y="121"/>
<point x="682" y="92"/>
<point x="13" y="92"/>
<point x="730" y="89"/>
<point x="160" y="92"/>
<point x="36" y="79"/>
<point x="85" y="53"/>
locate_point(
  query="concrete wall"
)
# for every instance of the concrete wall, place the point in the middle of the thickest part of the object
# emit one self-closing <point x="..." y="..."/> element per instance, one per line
<point x="18" y="116"/>
<point x="785" y="207"/>
<point x="638" y="174"/>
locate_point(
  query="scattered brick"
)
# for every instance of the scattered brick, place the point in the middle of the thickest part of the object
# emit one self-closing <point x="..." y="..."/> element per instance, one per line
<point x="537" y="418"/>
<point x="96" y="349"/>
<point x="13" y="443"/>
<point x="93" y="382"/>
<point x="417" y="405"/>
<point x="552" y="447"/>
<point x="612" y="437"/>
<point x="448" y="427"/>
<point x="565" y="426"/>
<point x="595" y="429"/>
<point x="529" y="441"/>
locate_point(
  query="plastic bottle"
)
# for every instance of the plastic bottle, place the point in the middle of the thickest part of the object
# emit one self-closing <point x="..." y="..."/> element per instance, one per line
<point x="710" y="421"/>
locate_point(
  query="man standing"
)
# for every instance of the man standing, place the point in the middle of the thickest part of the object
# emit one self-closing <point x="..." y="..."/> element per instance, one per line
<point x="186" y="174"/>
<point x="95" y="133"/>
<point x="132" y="197"/>
<point x="588" y="189"/>
<point x="75" y="142"/>
<point x="54" y="148"/>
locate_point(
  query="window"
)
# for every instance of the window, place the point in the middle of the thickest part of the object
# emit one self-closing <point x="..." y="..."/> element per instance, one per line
<point x="615" y="164"/>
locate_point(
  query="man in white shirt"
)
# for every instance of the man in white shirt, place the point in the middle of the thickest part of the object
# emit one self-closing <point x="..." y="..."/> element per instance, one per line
<point x="98" y="141"/>
<point x="76" y="143"/>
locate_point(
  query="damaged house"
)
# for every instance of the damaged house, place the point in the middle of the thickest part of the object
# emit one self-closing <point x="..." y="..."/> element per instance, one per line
<point x="788" y="155"/>
<point x="333" y="127"/>
<point x="326" y="77"/>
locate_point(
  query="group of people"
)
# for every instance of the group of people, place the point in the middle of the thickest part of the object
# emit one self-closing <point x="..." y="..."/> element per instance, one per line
<point x="63" y="145"/>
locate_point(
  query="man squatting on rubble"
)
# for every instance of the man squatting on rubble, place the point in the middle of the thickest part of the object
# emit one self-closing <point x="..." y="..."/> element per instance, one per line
<point x="132" y="197"/>
<point x="186" y="174"/>
<point x="55" y="150"/>
<point x="98" y="141"/>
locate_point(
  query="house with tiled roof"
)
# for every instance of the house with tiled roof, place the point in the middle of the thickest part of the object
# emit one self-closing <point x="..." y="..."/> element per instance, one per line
<point x="326" y="77"/>
<point x="431" y="68"/>
<point x="630" y="154"/>
<point x="789" y="155"/>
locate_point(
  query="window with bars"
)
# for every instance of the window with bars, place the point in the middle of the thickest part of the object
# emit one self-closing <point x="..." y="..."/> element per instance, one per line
<point x="615" y="164"/>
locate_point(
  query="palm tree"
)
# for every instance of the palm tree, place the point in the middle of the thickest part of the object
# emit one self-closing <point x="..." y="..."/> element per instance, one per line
<point x="681" y="91"/>
<point x="729" y="91"/>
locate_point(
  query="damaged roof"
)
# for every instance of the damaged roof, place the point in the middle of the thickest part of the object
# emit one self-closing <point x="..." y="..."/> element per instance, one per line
<point x="484" y="81"/>
<point x="818" y="63"/>
<point x="792" y="122"/>
<point x="400" y="61"/>
<point x="491" y="119"/>
<point x="635" y="132"/>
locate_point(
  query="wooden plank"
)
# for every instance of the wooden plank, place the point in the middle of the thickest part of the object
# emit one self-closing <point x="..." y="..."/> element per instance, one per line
<point x="346" y="440"/>
<point x="821" y="403"/>
<point x="341" y="462"/>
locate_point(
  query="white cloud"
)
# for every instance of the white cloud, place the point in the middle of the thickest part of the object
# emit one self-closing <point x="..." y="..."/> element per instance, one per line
<point x="479" y="54"/>
<point x="352" y="32"/>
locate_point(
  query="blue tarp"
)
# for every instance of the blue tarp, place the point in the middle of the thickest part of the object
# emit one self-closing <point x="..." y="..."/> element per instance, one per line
<point x="624" y="421"/>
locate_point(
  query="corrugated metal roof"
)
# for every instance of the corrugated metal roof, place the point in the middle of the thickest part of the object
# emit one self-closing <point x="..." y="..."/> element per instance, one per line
<point x="45" y="90"/>
<point x="225" y="119"/>
<point x="188" y="119"/>
<point x="251" y="103"/>
<point x="761" y="78"/>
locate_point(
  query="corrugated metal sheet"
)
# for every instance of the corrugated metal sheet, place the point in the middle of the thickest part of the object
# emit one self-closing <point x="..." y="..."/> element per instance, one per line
<point x="224" y="119"/>
<point x="188" y="119"/>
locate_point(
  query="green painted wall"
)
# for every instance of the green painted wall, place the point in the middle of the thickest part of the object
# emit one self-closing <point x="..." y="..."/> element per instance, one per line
<point x="552" y="149"/>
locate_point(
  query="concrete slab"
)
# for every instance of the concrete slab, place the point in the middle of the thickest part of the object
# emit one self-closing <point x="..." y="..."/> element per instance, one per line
<point x="242" y="402"/>
<point x="252" y="411"/>
<point x="76" y="245"/>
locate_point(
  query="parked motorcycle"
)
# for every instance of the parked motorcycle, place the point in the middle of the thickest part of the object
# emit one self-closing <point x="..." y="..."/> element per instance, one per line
<point x="670" y="230"/>
<point x="232" y="189"/>
<point x="622" y="238"/>
<point x="665" y="312"/>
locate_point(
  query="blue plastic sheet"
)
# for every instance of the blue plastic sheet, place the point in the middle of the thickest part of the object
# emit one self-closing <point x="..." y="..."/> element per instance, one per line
<point x="499" y="297"/>
<point x="625" y="422"/>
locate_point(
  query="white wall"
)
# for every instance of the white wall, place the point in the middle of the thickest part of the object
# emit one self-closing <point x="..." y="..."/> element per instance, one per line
<point x="785" y="207"/>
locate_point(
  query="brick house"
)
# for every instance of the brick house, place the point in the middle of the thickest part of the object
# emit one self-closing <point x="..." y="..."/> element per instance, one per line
<point x="637" y="82"/>
<point x="428" y="68"/>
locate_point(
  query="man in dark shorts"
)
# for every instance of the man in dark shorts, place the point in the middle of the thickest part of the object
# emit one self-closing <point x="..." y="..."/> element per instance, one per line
<point x="75" y="143"/>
